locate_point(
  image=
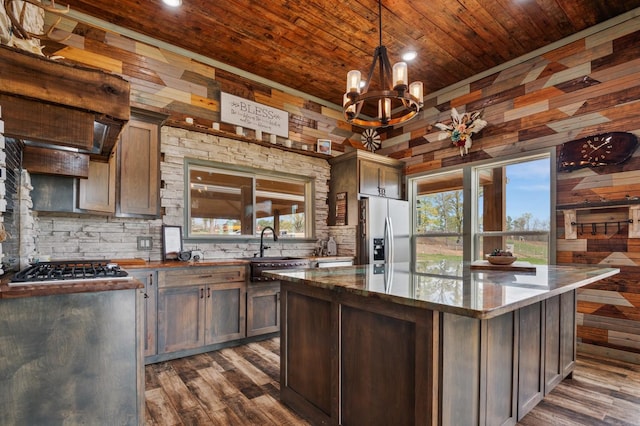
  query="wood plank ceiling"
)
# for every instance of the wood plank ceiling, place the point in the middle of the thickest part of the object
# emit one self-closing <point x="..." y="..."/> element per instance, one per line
<point x="309" y="45"/>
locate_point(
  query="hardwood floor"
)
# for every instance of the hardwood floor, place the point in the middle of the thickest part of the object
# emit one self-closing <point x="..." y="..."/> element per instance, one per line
<point x="240" y="386"/>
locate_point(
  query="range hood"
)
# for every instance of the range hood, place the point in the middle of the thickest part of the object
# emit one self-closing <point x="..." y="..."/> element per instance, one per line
<point x="60" y="104"/>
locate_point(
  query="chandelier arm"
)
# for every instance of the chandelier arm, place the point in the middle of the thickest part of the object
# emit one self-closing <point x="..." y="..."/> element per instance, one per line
<point x="385" y="70"/>
<point x="376" y="54"/>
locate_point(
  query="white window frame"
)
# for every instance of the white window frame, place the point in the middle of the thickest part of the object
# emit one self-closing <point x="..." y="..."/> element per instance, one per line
<point x="470" y="224"/>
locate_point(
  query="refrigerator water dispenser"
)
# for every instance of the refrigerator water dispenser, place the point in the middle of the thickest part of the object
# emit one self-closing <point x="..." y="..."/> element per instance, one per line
<point x="378" y="249"/>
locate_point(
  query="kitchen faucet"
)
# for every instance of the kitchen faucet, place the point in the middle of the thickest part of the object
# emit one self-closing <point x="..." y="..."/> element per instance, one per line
<point x="262" y="246"/>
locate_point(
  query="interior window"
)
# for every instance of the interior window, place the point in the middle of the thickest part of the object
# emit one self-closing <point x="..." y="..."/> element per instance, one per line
<point x="280" y="204"/>
<point x="225" y="203"/>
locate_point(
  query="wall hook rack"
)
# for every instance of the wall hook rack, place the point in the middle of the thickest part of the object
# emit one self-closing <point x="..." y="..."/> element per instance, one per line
<point x="572" y="225"/>
<point x="594" y="225"/>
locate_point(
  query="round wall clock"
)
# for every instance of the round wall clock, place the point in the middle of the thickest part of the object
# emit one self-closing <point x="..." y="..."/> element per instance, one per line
<point x="599" y="150"/>
<point x="371" y="140"/>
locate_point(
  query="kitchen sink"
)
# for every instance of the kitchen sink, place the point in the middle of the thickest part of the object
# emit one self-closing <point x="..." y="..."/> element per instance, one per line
<point x="269" y="263"/>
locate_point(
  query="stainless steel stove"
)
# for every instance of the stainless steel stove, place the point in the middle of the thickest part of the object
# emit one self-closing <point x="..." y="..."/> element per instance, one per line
<point x="65" y="271"/>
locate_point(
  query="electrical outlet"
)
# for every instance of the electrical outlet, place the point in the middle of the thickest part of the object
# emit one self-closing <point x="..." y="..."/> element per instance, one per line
<point x="145" y="243"/>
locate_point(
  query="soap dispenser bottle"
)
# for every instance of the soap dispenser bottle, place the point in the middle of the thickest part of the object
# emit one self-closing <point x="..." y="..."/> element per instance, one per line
<point x="332" y="248"/>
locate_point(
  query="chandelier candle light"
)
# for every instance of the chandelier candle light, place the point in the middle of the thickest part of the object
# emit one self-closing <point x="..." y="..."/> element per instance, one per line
<point x="397" y="101"/>
<point x="461" y="128"/>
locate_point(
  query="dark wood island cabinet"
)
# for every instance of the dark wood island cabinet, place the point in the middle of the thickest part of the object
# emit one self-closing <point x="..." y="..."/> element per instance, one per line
<point x="407" y="346"/>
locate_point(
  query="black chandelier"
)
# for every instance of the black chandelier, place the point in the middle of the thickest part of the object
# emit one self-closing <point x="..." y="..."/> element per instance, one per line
<point x="397" y="102"/>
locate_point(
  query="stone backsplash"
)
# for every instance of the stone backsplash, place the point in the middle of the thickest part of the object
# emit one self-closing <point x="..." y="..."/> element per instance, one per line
<point x="82" y="236"/>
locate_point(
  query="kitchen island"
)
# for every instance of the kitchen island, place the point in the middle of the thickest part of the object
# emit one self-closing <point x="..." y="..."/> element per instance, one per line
<point x="429" y="343"/>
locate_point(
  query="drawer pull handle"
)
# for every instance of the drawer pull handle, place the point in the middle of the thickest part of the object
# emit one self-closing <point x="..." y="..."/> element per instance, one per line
<point x="205" y="276"/>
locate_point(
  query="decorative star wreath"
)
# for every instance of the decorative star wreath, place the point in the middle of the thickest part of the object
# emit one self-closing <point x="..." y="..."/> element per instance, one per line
<point x="461" y="128"/>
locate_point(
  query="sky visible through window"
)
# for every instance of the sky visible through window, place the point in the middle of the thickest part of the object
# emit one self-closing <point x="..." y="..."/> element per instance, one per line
<point x="528" y="187"/>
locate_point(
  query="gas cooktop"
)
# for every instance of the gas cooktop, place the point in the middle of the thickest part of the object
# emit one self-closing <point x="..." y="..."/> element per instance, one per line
<point x="65" y="271"/>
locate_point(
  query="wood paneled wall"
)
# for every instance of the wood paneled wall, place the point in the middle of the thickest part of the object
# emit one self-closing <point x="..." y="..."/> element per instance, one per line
<point x="184" y="87"/>
<point x="588" y="86"/>
<point x="584" y="88"/>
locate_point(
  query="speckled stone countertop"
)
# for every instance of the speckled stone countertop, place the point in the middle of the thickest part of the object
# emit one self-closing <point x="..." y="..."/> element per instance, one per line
<point x="84" y="286"/>
<point x="96" y="285"/>
<point x="142" y="264"/>
<point x="455" y="288"/>
<point x="69" y="287"/>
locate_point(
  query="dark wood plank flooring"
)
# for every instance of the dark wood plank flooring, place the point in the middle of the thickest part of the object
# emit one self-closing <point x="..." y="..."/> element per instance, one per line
<point x="240" y="386"/>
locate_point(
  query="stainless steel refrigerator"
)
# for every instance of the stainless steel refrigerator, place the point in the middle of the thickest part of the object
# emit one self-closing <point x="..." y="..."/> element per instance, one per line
<point x="384" y="231"/>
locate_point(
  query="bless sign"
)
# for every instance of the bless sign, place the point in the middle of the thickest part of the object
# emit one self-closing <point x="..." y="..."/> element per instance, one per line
<point x="252" y="115"/>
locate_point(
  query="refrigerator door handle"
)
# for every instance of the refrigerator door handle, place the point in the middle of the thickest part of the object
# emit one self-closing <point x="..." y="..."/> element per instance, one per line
<point x="388" y="235"/>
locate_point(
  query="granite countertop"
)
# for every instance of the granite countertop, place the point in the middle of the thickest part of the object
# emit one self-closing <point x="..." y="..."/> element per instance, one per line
<point x="455" y="288"/>
<point x="127" y="264"/>
<point x="70" y="287"/>
<point x="79" y="286"/>
<point x="143" y="264"/>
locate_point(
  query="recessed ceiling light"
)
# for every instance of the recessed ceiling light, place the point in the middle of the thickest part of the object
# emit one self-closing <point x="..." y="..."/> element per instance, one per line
<point x="172" y="3"/>
<point x="410" y="56"/>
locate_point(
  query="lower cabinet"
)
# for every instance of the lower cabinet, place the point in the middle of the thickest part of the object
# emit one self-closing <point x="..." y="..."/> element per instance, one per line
<point x="560" y="347"/>
<point x="546" y="347"/>
<point x="506" y="364"/>
<point x="263" y="308"/>
<point x="150" y="322"/>
<point x="531" y="360"/>
<point x="199" y="306"/>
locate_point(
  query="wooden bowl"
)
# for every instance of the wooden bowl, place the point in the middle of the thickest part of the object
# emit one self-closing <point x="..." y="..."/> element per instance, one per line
<point x="501" y="260"/>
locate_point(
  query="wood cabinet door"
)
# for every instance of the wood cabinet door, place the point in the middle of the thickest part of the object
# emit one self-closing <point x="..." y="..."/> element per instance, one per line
<point x="531" y="357"/>
<point x="139" y="168"/>
<point x="391" y="182"/>
<point x="181" y="318"/>
<point x="263" y="308"/>
<point x="150" y="281"/>
<point x="369" y="178"/>
<point x="552" y="368"/>
<point x="97" y="192"/>
<point x="567" y="332"/>
<point x="560" y="339"/>
<point x="225" y="312"/>
<point x="380" y="180"/>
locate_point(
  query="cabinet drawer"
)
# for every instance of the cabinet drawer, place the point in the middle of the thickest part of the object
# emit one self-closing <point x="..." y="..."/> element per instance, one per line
<point x="201" y="275"/>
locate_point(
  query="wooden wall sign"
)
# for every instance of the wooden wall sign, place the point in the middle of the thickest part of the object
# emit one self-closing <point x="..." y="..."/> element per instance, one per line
<point x="341" y="208"/>
<point x="599" y="150"/>
<point x="252" y="115"/>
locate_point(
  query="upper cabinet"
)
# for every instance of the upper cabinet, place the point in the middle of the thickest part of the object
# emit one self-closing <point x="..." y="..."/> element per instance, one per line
<point x="380" y="179"/>
<point x="97" y="192"/>
<point x="139" y="160"/>
<point x="129" y="184"/>
<point x="357" y="174"/>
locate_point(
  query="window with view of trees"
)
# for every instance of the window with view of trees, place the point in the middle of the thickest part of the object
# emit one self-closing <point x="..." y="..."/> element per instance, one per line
<point x="439" y="216"/>
<point x="514" y="205"/>
<point x="509" y="209"/>
<point x="224" y="202"/>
